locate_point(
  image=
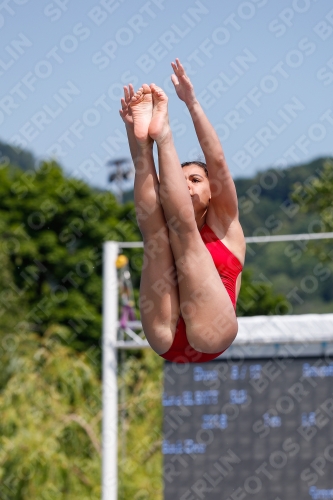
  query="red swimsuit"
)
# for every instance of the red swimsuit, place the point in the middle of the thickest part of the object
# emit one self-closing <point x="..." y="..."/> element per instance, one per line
<point x="228" y="267"/>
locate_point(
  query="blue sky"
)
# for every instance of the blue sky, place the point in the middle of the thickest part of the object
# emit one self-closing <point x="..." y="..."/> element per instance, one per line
<point x="262" y="70"/>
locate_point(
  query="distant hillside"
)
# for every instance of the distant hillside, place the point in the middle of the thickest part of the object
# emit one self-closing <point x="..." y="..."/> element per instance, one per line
<point x="16" y="156"/>
<point x="264" y="204"/>
<point x="266" y="209"/>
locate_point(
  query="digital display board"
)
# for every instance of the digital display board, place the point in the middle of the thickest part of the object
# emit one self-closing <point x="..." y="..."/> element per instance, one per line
<point x="253" y="429"/>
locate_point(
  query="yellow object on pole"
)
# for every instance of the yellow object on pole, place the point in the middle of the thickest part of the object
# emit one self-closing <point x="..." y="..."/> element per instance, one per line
<point x="121" y="261"/>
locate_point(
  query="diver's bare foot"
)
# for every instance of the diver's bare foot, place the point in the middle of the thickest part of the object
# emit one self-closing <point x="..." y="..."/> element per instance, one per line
<point x="142" y="108"/>
<point x="159" y="126"/>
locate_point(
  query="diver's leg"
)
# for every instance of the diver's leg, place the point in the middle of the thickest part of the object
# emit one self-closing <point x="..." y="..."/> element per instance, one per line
<point x="211" y="323"/>
<point x="159" y="302"/>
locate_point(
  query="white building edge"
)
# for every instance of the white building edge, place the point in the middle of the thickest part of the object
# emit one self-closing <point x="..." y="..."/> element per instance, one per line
<point x="296" y="335"/>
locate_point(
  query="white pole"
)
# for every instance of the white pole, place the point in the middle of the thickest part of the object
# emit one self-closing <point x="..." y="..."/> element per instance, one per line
<point x="110" y="389"/>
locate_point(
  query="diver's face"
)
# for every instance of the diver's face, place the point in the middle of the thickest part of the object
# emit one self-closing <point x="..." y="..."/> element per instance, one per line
<point x="198" y="185"/>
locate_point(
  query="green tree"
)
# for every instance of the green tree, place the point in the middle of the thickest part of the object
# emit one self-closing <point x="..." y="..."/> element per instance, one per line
<point x="53" y="228"/>
<point x="50" y="406"/>
<point x="257" y="297"/>
<point x="316" y="194"/>
<point x="286" y="201"/>
<point x="50" y="421"/>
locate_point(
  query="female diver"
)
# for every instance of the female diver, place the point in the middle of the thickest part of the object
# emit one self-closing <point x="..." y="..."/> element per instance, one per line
<point x="194" y="247"/>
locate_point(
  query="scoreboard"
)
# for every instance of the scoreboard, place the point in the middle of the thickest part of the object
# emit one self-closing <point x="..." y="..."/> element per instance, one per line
<point x="253" y="429"/>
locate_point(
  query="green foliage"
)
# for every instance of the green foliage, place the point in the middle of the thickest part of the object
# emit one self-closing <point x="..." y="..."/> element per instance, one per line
<point x="53" y="229"/>
<point x="257" y="297"/>
<point x="315" y="194"/>
<point x="267" y="207"/>
<point x="50" y="405"/>
<point x="50" y="421"/>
